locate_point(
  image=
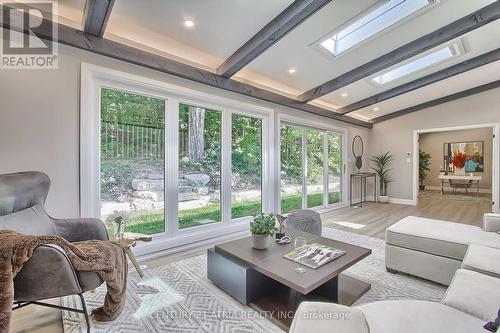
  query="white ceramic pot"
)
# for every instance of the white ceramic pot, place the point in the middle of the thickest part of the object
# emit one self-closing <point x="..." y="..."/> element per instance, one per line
<point x="459" y="172"/>
<point x="383" y="198"/>
<point x="259" y="241"/>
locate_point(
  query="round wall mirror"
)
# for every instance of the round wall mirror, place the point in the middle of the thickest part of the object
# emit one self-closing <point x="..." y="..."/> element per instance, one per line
<point x="358" y="150"/>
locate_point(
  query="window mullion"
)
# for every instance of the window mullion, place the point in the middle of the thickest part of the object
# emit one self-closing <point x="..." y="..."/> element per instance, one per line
<point x="172" y="167"/>
<point x="326" y="181"/>
<point x="226" y="166"/>
<point x="304" y="169"/>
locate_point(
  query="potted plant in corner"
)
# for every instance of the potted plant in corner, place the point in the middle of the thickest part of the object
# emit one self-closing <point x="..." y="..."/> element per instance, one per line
<point x="382" y="168"/>
<point x="424" y="160"/>
<point x="262" y="226"/>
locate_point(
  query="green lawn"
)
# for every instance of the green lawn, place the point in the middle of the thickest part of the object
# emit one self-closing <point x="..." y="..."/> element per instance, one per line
<point x="154" y="223"/>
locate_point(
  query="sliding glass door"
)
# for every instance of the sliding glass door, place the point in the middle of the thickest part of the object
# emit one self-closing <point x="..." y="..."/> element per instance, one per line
<point x="311" y="167"/>
<point x="132" y="151"/>
<point x="315" y="168"/>
<point x="335" y="167"/>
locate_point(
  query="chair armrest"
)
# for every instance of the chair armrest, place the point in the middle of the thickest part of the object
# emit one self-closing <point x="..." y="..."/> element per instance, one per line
<point x="321" y="317"/>
<point x="491" y="222"/>
<point x="77" y="230"/>
<point x="47" y="274"/>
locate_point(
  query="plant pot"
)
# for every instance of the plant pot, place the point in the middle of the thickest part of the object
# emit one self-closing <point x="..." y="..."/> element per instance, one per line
<point x="459" y="172"/>
<point x="383" y="198"/>
<point x="421" y="187"/>
<point x="259" y="241"/>
<point x="280" y="235"/>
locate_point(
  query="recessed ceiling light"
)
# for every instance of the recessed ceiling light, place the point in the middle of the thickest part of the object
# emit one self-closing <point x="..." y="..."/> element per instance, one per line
<point x="376" y="108"/>
<point x="344" y="95"/>
<point x="292" y="70"/>
<point x="188" y="24"/>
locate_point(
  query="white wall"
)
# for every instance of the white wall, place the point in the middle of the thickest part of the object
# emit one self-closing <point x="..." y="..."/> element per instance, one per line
<point x="396" y="135"/>
<point x="39" y="121"/>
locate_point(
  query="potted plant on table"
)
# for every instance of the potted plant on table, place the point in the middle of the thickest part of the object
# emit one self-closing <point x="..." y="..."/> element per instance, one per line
<point x="382" y="168"/>
<point x="262" y="226"/>
<point x="424" y="161"/>
<point x="281" y="225"/>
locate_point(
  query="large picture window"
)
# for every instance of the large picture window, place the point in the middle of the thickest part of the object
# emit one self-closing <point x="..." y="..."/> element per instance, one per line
<point x="132" y="179"/>
<point x="291" y="168"/>
<point x="246" y="161"/>
<point x="186" y="166"/>
<point x="199" y="166"/>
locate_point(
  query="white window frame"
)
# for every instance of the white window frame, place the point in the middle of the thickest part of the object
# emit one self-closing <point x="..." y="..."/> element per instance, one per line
<point x="94" y="78"/>
<point x="285" y="119"/>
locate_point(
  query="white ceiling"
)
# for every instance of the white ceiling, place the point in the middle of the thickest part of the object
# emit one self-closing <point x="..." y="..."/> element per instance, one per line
<point x="68" y="12"/>
<point x="475" y="43"/>
<point x="222" y="26"/>
<point x="464" y="81"/>
<point x="313" y="68"/>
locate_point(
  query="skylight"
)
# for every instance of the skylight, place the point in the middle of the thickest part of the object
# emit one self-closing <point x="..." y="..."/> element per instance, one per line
<point x="372" y="23"/>
<point x="419" y="64"/>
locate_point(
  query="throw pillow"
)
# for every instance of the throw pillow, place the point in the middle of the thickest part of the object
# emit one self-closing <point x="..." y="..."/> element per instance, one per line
<point x="493" y="326"/>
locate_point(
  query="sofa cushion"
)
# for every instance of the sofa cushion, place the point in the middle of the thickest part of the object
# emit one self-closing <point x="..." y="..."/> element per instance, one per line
<point x="328" y="317"/>
<point x="482" y="259"/>
<point x="418" y="317"/>
<point x="447" y="239"/>
<point x="474" y="293"/>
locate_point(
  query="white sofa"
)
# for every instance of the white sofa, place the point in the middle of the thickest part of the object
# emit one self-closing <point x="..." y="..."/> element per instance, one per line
<point x="472" y="299"/>
<point x="434" y="249"/>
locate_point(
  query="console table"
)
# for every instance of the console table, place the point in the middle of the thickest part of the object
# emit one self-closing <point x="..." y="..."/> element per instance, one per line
<point x="466" y="178"/>
<point x="363" y="176"/>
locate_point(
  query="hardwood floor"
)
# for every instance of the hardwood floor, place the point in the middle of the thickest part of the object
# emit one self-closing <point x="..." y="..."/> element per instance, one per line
<point x="370" y="220"/>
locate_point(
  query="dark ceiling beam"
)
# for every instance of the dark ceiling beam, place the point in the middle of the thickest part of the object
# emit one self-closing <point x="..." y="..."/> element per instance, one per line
<point x="439" y="101"/>
<point x="96" y="15"/>
<point x="465" y="24"/>
<point x="76" y="38"/>
<point x="282" y="24"/>
<point x="459" y="68"/>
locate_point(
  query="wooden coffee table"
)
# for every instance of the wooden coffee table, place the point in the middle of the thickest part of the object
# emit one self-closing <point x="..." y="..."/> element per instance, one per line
<point x="268" y="283"/>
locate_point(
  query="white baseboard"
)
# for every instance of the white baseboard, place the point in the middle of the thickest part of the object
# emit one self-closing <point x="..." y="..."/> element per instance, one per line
<point x="448" y="189"/>
<point x="400" y="201"/>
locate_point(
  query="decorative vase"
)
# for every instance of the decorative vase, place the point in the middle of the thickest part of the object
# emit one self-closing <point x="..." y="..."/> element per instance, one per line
<point x="280" y="235"/>
<point x="459" y="172"/>
<point x="259" y="241"/>
<point x="383" y="198"/>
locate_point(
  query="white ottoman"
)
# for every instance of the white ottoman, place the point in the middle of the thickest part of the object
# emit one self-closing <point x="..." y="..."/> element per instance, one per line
<point x="432" y="249"/>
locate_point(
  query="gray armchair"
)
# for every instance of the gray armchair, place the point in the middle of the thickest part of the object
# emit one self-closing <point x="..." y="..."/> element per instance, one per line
<point x="48" y="273"/>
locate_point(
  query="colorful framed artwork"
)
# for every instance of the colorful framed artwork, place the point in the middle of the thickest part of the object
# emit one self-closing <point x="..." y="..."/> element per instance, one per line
<point x="473" y="150"/>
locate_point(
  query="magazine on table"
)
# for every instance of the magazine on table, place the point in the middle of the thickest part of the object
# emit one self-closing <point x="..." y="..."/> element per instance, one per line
<point x="314" y="255"/>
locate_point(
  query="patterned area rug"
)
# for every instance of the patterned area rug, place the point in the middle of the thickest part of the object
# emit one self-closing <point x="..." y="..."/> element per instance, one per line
<point x="179" y="298"/>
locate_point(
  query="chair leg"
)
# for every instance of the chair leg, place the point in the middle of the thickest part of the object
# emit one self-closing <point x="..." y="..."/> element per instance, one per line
<point x="85" y="312"/>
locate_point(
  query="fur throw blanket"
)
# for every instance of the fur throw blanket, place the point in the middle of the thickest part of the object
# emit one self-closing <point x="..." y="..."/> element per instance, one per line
<point x="107" y="258"/>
